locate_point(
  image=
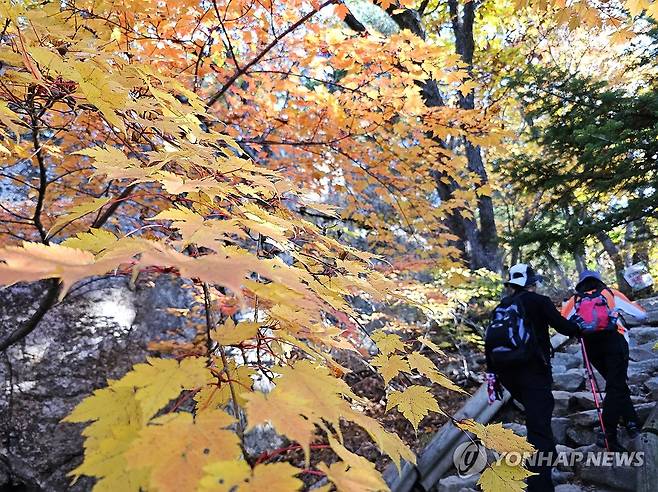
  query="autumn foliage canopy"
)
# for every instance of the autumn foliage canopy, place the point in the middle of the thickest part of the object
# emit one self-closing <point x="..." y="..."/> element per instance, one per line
<point x="220" y="141"/>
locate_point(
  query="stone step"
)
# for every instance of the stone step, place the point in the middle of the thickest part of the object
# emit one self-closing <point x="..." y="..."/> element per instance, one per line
<point x="569" y="380"/>
<point x="644" y="334"/>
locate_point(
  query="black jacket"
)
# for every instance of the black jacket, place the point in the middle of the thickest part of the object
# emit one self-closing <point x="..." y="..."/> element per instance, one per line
<point x="542" y="313"/>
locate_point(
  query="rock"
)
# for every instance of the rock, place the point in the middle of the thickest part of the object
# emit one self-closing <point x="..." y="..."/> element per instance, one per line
<point x="561" y="402"/>
<point x="454" y="483"/>
<point x="647" y="367"/>
<point x="644" y="334"/>
<point x="638" y="354"/>
<point x="99" y="334"/>
<point x="563" y="465"/>
<point x="652" y="386"/>
<point x="559" y="426"/>
<point x="568" y="488"/>
<point x="643" y="410"/>
<point x="582" y="400"/>
<point x="573" y="348"/>
<point x="570" y="380"/>
<point x="618" y="477"/>
<point x="570" y="361"/>
<point x="580" y="436"/>
<point x="561" y="477"/>
<point x="587" y="418"/>
<point x="558" y="369"/>
<point x="519" y="429"/>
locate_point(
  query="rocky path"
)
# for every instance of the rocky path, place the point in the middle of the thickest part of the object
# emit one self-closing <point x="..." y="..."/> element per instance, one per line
<point x="575" y="421"/>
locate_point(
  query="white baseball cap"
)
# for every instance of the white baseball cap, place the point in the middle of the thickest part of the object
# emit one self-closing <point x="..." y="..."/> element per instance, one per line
<point x="523" y="275"/>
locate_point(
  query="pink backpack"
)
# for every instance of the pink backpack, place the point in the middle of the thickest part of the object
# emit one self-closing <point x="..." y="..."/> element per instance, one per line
<point x="594" y="313"/>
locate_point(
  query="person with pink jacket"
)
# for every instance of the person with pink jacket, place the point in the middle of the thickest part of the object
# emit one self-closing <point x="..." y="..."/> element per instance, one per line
<point x="596" y="308"/>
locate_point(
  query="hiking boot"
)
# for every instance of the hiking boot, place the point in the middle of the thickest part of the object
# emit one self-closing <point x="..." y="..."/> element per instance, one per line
<point x="632" y="429"/>
<point x="613" y="444"/>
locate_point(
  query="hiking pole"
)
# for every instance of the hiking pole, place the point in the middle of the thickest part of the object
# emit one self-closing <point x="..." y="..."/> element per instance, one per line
<point x="594" y="386"/>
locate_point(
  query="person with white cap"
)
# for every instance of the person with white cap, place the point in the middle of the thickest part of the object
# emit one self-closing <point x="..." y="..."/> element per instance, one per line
<point x="518" y="351"/>
<point x="596" y="307"/>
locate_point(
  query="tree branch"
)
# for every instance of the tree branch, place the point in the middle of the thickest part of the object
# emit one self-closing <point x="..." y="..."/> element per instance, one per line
<point x="238" y="73"/>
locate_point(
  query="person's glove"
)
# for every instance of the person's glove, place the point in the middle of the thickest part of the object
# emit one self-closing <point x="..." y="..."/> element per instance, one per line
<point x="494" y="389"/>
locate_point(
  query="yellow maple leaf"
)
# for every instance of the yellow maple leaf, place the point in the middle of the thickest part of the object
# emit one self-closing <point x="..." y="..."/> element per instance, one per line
<point x="36" y="261"/>
<point x="231" y="334"/>
<point x="117" y="420"/>
<point x="77" y="212"/>
<point x="389" y="442"/>
<point x="389" y="367"/>
<point x="304" y="395"/>
<point x="431" y="345"/>
<point x="635" y="7"/>
<point x="495" y="436"/>
<point x="387" y="343"/>
<point x="227" y="476"/>
<point x="415" y="402"/>
<point x="354" y="473"/>
<point x="425" y="366"/>
<point x="158" y="381"/>
<point x="502" y="476"/>
<point x="176" y="447"/>
<point x="214" y="396"/>
<point x="94" y="241"/>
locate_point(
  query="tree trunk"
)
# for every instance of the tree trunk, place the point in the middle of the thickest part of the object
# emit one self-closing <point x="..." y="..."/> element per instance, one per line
<point x="485" y="242"/>
<point x="641" y="249"/>
<point x="579" y="259"/>
<point x="617" y="260"/>
<point x="477" y="242"/>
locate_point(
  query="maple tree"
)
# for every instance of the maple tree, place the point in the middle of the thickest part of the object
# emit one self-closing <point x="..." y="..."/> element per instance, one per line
<point x="160" y="136"/>
<point x="255" y="149"/>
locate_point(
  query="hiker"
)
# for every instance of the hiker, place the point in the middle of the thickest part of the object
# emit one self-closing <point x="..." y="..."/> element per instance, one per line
<point x="595" y="306"/>
<point x="522" y="363"/>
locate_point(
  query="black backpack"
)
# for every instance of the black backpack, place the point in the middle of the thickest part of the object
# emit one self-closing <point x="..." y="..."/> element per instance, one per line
<point x="510" y="339"/>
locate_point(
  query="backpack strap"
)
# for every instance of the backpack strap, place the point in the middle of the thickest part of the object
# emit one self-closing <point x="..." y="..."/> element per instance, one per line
<point x="529" y="323"/>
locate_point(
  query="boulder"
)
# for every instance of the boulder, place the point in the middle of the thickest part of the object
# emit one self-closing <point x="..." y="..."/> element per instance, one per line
<point x="643" y="410"/>
<point x="519" y="429"/>
<point x="455" y="483"/>
<point x="563" y="465"/>
<point x="561" y="402"/>
<point x="618" y="477"/>
<point x="584" y="400"/>
<point x="644" y="334"/>
<point x="640" y="353"/>
<point x="559" y="426"/>
<point x="570" y="380"/>
<point x="561" y="477"/>
<point x="652" y="387"/>
<point x="648" y="367"/>
<point x="99" y="334"/>
<point x="567" y="360"/>
<point x="580" y="436"/>
<point x="568" y="488"/>
<point x="587" y="418"/>
<point x="572" y="348"/>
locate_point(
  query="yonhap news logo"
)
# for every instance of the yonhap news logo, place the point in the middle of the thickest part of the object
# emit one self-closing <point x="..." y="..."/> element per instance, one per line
<point x="469" y="458"/>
